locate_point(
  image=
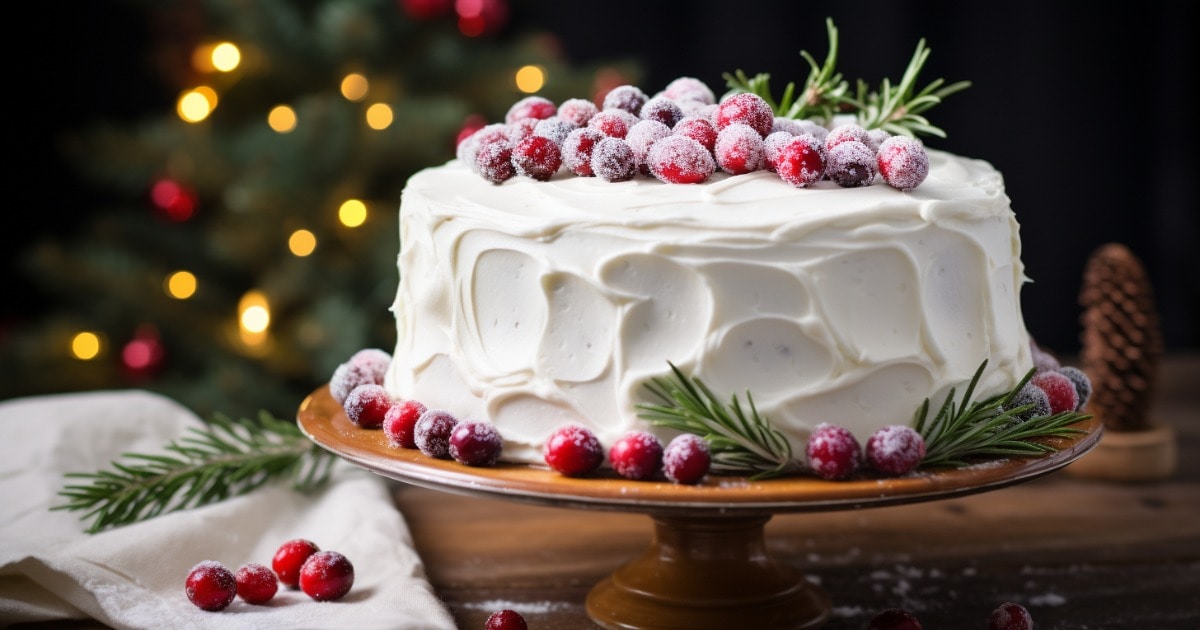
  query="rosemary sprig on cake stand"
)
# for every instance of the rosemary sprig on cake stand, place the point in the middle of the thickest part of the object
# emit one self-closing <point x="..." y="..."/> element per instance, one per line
<point x="209" y="464"/>
<point x="897" y="108"/>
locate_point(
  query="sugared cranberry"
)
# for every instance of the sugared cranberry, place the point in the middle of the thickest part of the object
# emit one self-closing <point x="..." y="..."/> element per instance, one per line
<point x="365" y="366"/>
<point x="772" y="145"/>
<point x="697" y="128"/>
<point x="1059" y="389"/>
<point x="689" y="89"/>
<point x="573" y="451"/>
<point x="641" y="137"/>
<point x="894" y="619"/>
<point x="800" y="161"/>
<point x="845" y="133"/>
<point x="468" y="149"/>
<point x="903" y="162"/>
<point x="326" y="576"/>
<point x="662" y="109"/>
<point x="493" y="161"/>
<point x="507" y="619"/>
<point x="290" y="557"/>
<point x="739" y="149"/>
<point x="747" y="108"/>
<point x="680" y="160"/>
<point x="577" y="150"/>
<point x="521" y="129"/>
<point x="554" y="128"/>
<point x="789" y="125"/>
<point x="367" y="405"/>
<point x="256" y="584"/>
<point x="400" y="423"/>
<point x="636" y="455"/>
<point x="1010" y="616"/>
<point x="629" y="98"/>
<point x="851" y="164"/>
<point x="613" y="122"/>
<point x="432" y="433"/>
<point x="613" y="160"/>
<point x="538" y="107"/>
<point x="1083" y="384"/>
<point x="895" y="449"/>
<point x="537" y="157"/>
<point x="686" y="459"/>
<point x="210" y="586"/>
<point x="475" y="443"/>
<point x="1043" y="360"/>
<point x="875" y="138"/>
<point x="1035" y="397"/>
<point x="833" y="452"/>
<point x="577" y="111"/>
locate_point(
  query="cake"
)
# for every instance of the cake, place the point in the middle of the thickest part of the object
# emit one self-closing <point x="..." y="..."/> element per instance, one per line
<point x="533" y="304"/>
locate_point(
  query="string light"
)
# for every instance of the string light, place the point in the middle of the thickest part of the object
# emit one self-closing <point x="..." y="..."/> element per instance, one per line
<point x="302" y="243"/>
<point x="254" y="318"/>
<point x="530" y="79"/>
<point x="379" y="116"/>
<point x="282" y="119"/>
<point x="355" y="87"/>
<point x="352" y="213"/>
<point x="180" y="285"/>
<point x="86" y="345"/>
<point x="226" y="57"/>
<point x="196" y="104"/>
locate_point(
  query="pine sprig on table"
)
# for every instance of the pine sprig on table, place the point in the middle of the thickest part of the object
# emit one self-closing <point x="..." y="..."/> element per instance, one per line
<point x="897" y="109"/>
<point x="209" y="464"/>
<point x="988" y="428"/>
<point x="738" y="442"/>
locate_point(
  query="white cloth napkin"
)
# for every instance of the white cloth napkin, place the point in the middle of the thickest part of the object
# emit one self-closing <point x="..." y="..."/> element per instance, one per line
<point x="133" y="576"/>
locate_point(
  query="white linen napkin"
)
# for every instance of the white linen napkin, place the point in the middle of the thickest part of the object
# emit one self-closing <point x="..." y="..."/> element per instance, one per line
<point x="133" y="576"/>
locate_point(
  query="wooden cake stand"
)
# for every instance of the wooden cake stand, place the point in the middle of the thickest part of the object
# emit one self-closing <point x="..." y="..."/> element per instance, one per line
<point x="707" y="565"/>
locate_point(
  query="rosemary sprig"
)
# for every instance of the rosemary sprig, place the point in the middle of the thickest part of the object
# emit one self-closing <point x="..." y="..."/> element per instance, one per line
<point x="738" y="442"/>
<point x="222" y="459"/>
<point x="988" y="428"/>
<point x="896" y="108"/>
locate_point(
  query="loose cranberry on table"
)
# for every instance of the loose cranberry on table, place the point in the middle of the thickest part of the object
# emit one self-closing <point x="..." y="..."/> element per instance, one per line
<point x="573" y="451"/>
<point x="636" y="455"/>
<point x="894" y="619"/>
<point x="290" y="557"/>
<point x="833" y="452"/>
<point x="686" y="459"/>
<point x="256" y="584"/>
<point x="210" y="586"/>
<point x="506" y="619"/>
<point x="326" y="576"/>
<point x="1010" y="616"/>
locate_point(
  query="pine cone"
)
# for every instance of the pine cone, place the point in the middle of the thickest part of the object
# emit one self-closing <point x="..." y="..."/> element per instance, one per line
<point x="1121" y="340"/>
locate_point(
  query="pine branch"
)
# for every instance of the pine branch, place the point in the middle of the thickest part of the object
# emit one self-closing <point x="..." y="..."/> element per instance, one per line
<point x="210" y="464"/>
<point x="739" y="443"/>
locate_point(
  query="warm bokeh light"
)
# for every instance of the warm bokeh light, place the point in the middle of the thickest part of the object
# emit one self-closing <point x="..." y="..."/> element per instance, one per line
<point x="85" y="345"/>
<point x="282" y="119"/>
<point x="176" y="201"/>
<point x="254" y="317"/>
<point x="226" y="57"/>
<point x="302" y="243"/>
<point x="180" y="285"/>
<point x="530" y="79"/>
<point x="196" y="104"/>
<point x="352" y="213"/>
<point x="355" y="87"/>
<point x="379" y="116"/>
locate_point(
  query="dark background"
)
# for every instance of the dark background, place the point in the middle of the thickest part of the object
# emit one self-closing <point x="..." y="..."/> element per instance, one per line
<point x="1089" y="112"/>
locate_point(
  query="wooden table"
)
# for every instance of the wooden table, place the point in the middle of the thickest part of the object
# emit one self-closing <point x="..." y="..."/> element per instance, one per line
<point x="1079" y="553"/>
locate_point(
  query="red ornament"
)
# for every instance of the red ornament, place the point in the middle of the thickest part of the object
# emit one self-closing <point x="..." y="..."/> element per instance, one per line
<point x="143" y="354"/>
<point x="175" y="201"/>
<point x="477" y="17"/>
<point x="423" y="10"/>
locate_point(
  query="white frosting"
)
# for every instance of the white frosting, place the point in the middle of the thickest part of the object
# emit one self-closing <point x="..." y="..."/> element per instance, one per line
<point x="536" y="304"/>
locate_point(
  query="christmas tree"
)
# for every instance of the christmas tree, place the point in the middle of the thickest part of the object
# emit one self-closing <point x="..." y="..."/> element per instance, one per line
<point x="251" y="239"/>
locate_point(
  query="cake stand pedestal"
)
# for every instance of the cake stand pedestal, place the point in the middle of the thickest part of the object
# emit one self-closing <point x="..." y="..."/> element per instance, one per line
<point x="707" y="565"/>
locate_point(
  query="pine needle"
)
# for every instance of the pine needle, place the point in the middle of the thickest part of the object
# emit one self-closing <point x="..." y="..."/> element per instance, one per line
<point x="208" y="464"/>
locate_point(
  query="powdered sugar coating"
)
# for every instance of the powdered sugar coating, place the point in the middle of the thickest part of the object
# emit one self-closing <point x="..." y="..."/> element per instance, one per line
<point x="689" y="88"/>
<point x="1010" y="616"/>
<point x="662" y="109"/>
<point x="533" y="106"/>
<point x="520" y="129"/>
<point x="851" y="164"/>
<point x="636" y="455"/>
<point x="643" y="135"/>
<point x="844" y="133"/>
<point x="400" y="423"/>
<point x="326" y="576"/>
<point x="537" y="157"/>
<point x="833" y="452"/>
<point x="1083" y="384"/>
<point x="368" y="365"/>
<point x="494" y="161"/>
<point x="432" y="433"/>
<point x="210" y="586"/>
<point x="475" y="443"/>
<point x="686" y="459"/>
<point x="556" y="129"/>
<point x="577" y="150"/>
<point x="699" y="128"/>
<point x="629" y="98"/>
<point x="800" y="162"/>
<point x="895" y="449"/>
<point x="367" y="404"/>
<point x="903" y="162"/>
<point x="739" y="149"/>
<point x="1030" y="394"/>
<point x="789" y="125"/>
<point x="256" y="583"/>
<point x="613" y="122"/>
<point x="577" y="111"/>
<point x="573" y="450"/>
<point x="613" y="160"/>
<point x="747" y="108"/>
<point x="697" y="108"/>
<point x="1059" y="389"/>
<point x="876" y="138"/>
<point x="772" y="145"/>
<point x="469" y="148"/>
<point x="680" y="160"/>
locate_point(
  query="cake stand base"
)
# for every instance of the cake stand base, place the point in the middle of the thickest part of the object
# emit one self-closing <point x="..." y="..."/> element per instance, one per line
<point x="1147" y="455"/>
<point x="707" y="572"/>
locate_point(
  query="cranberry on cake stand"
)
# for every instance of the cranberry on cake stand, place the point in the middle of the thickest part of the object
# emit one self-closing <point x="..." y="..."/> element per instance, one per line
<point x="707" y="565"/>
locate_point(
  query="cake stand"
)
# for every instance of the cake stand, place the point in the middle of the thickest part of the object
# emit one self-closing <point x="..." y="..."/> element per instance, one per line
<point x="707" y="565"/>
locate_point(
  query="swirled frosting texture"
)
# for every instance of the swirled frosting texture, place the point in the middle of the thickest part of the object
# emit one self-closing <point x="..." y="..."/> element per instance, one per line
<point x="535" y="304"/>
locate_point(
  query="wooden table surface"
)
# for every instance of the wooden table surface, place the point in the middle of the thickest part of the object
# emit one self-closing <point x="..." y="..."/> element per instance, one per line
<point x="1077" y="552"/>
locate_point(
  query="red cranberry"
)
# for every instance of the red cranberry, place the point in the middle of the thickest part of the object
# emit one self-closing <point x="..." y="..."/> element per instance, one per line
<point x="400" y="423"/>
<point x="554" y="128"/>
<point x="367" y="405"/>
<point x="538" y="107"/>
<point x="573" y="451"/>
<point x="577" y="150"/>
<point x="747" y="108"/>
<point x="851" y="164"/>
<point x="689" y="88"/>
<point x="772" y="145"/>
<point x="613" y="122"/>
<point x="894" y="619"/>
<point x="365" y="366"/>
<point x="432" y="433"/>
<point x="468" y="149"/>
<point x="845" y="133"/>
<point x="475" y="443"/>
<point x="577" y="111"/>
<point x="662" y="109"/>
<point x="537" y="157"/>
<point x="686" y="459"/>
<point x="903" y="162"/>
<point x="801" y="162"/>
<point x="641" y="137"/>
<point x="739" y="149"/>
<point x="833" y="452"/>
<point x="290" y="557"/>
<point x="521" y="129"/>
<point x="697" y="128"/>
<point x="1083" y="384"/>
<point x="1010" y="616"/>
<point x="506" y="619"/>
<point x="636" y="455"/>
<point x="326" y="576"/>
<point x="680" y="160"/>
<point x="1059" y="389"/>
<point x="613" y="160"/>
<point x="210" y="586"/>
<point x="629" y="98"/>
<point x="493" y="161"/>
<point x="256" y="584"/>
<point x="895" y="449"/>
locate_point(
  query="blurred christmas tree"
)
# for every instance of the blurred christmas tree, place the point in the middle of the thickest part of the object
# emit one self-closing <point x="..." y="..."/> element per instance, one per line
<point x="253" y="244"/>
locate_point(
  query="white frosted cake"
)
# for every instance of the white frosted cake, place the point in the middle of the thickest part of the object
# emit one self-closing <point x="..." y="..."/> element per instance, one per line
<point x="535" y="304"/>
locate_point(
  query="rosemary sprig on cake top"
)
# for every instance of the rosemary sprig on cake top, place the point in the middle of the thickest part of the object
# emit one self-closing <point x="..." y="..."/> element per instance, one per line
<point x="895" y="108"/>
